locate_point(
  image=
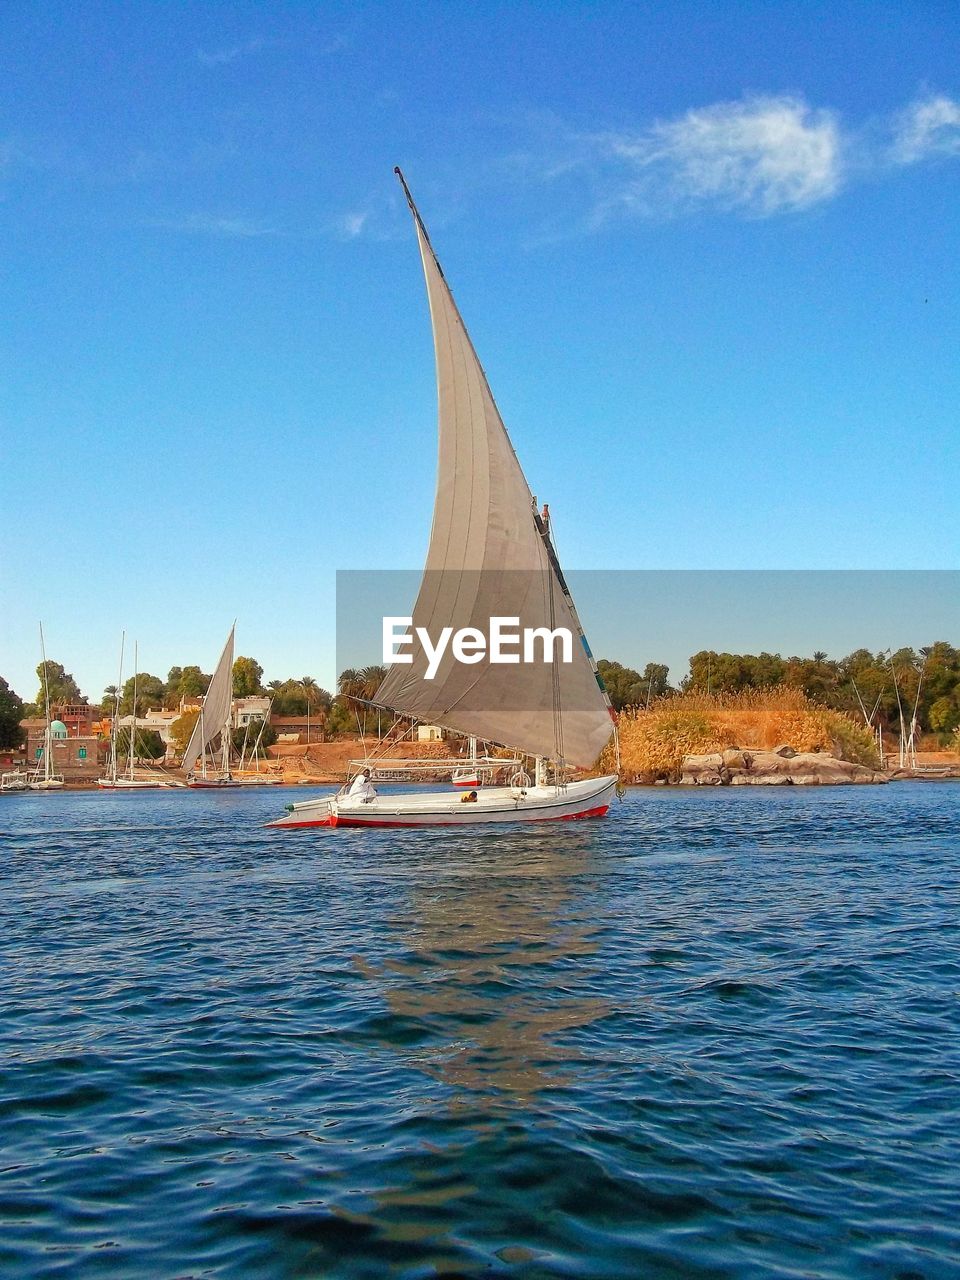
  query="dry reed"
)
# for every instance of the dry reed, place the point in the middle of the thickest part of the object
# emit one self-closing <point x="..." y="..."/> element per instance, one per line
<point x="653" y="742"/>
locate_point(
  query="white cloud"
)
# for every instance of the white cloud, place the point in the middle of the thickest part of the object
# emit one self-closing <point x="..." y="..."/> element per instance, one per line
<point x="351" y="224"/>
<point x="213" y="225"/>
<point x="758" y="157"/>
<point x="928" y="127"/>
<point x="226" y="54"/>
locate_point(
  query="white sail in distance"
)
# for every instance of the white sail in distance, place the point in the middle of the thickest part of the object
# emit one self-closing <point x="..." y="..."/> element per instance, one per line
<point x="216" y="707"/>
<point x="490" y="556"/>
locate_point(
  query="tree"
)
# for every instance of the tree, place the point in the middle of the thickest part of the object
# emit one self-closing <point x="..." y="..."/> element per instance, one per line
<point x="625" y="687"/>
<point x="340" y="718"/>
<point x="350" y="683"/>
<point x="11" y="713"/>
<point x="182" y="728"/>
<point x="108" y="703"/>
<point x="245" y="739"/>
<point x="371" y="678"/>
<point x="727" y="672"/>
<point x="193" y="683"/>
<point x="150" y="691"/>
<point x="247" y="674"/>
<point x="148" y="744"/>
<point x="317" y="700"/>
<point x="816" y="676"/>
<point x="655" y="677"/>
<point x="171" y="693"/>
<point x="60" y="685"/>
<point x="944" y="715"/>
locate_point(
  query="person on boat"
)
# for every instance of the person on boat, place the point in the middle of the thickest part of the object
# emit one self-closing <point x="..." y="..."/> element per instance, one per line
<point x="469" y="798"/>
<point x="362" y="788"/>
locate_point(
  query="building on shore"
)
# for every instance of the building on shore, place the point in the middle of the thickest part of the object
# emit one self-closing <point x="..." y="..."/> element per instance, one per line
<point x="430" y="733"/>
<point x="302" y="729"/>
<point x="250" y="710"/>
<point x="159" y="722"/>
<point x="79" y="757"/>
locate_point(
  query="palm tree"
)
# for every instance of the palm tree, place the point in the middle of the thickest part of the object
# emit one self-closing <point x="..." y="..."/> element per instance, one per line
<point x="819" y="656"/>
<point x="309" y="687"/>
<point x="370" y="679"/>
<point x="349" y="682"/>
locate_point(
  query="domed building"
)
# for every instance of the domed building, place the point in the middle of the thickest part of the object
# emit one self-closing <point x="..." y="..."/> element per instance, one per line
<point x="77" y="751"/>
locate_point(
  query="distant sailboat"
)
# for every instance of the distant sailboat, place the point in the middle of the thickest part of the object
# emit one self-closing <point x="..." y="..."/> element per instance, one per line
<point x="490" y="554"/>
<point x="43" y="778"/>
<point x="113" y="780"/>
<point x="214" y="722"/>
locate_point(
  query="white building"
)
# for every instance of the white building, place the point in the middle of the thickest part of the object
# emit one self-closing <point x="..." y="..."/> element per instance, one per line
<point x="247" y="710"/>
<point x="155" y="722"/>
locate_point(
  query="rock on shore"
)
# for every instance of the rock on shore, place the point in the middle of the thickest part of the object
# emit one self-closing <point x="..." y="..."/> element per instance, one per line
<point x="782" y="767"/>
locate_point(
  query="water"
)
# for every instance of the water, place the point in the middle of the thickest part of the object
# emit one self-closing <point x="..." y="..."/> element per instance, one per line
<point x="714" y="1035"/>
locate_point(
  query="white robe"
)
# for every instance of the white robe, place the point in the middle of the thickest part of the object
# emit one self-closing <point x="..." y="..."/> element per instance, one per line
<point x="361" y="789"/>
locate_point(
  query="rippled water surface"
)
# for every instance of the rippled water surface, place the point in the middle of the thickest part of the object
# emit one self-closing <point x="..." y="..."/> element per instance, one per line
<point x="715" y="1034"/>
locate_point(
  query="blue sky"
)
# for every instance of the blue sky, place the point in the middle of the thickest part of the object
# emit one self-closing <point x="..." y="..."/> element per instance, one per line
<point x="707" y="253"/>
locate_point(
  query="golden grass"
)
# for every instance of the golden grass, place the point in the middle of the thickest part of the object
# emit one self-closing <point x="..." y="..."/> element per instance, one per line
<point x="653" y="742"/>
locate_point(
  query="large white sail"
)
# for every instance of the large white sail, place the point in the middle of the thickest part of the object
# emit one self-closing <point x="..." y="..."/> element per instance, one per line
<point x="216" y="707"/>
<point x="490" y="555"/>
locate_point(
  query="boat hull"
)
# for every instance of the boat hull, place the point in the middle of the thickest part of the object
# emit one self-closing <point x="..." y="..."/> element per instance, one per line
<point x="494" y="806"/>
<point x="212" y="784"/>
<point x="125" y="784"/>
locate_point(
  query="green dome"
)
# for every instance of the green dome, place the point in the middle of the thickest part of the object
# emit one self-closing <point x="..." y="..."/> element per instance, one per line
<point x="58" y="729"/>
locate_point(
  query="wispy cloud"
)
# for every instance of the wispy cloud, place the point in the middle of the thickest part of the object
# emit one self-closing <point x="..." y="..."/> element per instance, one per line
<point x="754" y="158"/>
<point x="325" y="43"/>
<point x="758" y="157"/>
<point x="928" y="127"/>
<point x="378" y="217"/>
<point x="209" y="224"/>
<point x="351" y="225"/>
<point x="225" y="54"/>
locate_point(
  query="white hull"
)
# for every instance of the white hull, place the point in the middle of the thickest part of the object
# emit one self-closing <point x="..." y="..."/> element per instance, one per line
<point x="131" y="784"/>
<point x="47" y="784"/>
<point x="588" y="799"/>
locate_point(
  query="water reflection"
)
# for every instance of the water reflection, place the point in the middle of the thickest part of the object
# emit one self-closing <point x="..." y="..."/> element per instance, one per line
<point x="495" y="967"/>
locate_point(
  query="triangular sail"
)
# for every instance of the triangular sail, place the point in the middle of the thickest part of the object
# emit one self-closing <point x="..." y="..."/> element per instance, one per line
<point x="216" y="708"/>
<point x="489" y="556"/>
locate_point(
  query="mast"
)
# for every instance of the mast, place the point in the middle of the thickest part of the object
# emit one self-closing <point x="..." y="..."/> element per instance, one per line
<point x="133" y="728"/>
<point x="225" y="743"/>
<point x="263" y="725"/>
<point x="203" y="739"/>
<point x="116" y="713"/>
<point x="47" y="735"/>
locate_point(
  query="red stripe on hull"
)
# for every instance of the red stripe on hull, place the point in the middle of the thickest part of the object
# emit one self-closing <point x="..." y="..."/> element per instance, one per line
<point x="337" y="820"/>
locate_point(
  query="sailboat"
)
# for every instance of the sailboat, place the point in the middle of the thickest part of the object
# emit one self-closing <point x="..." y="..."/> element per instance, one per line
<point x="46" y="780"/>
<point x="215" y="721"/>
<point x="113" y="780"/>
<point x="490" y="555"/>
